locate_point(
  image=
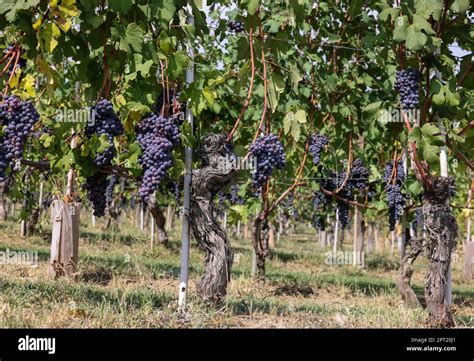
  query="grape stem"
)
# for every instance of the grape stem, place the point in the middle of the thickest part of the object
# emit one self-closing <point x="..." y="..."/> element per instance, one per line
<point x="265" y="89"/>
<point x="394" y="169"/>
<point x="18" y="52"/>
<point x="467" y="127"/>
<point x="459" y="155"/>
<point x="342" y="199"/>
<point x="413" y="154"/>
<point x="105" y="87"/>
<point x="464" y="75"/>
<point x="249" y="93"/>
<point x="5" y="69"/>
<point x="427" y="97"/>
<point x="162" y="111"/>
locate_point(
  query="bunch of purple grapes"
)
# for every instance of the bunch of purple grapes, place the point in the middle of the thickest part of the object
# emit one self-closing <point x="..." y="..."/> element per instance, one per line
<point x="18" y="117"/>
<point x="318" y="199"/>
<point x="105" y="122"/>
<point x="237" y="26"/>
<point x="357" y="181"/>
<point x="395" y="198"/>
<point x="343" y="211"/>
<point x="96" y="187"/>
<point x="174" y="188"/>
<point x="234" y="196"/>
<point x="269" y="154"/>
<point x="221" y="197"/>
<point x="400" y="176"/>
<point x="359" y="176"/>
<point x="99" y="189"/>
<point x="316" y="146"/>
<point x="407" y="82"/>
<point x="157" y="136"/>
<point x="319" y="222"/>
<point x="371" y="191"/>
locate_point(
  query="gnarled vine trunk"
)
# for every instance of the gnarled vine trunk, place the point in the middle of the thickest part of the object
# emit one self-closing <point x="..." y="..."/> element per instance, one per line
<point x="441" y="233"/>
<point x="438" y="244"/>
<point x="215" y="173"/>
<point x="260" y="233"/>
<point x="32" y="221"/>
<point x="413" y="249"/>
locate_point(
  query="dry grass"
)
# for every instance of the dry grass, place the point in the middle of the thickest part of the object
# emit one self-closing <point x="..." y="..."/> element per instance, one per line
<point x="121" y="282"/>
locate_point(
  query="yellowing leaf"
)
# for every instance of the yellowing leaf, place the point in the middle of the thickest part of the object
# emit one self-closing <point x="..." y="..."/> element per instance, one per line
<point x="300" y="116"/>
<point x="28" y="85"/>
<point x="120" y="100"/>
<point x="68" y="7"/>
<point x="47" y="36"/>
<point x="209" y="95"/>
<point x="65" y="25"/>
<point x="15" y="79"/>
<point x="38" y="23"/>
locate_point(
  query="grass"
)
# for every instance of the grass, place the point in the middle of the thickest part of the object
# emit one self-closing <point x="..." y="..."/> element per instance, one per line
<point x="121" y="282"/>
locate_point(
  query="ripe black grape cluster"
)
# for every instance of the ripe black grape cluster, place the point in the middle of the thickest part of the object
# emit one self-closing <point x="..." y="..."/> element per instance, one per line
<point x="357" y="181"/>
<point x="359" y="176"/>
<point x="96" y="187"/>
<point x="106" y="122"/>
<point x="318" y="199"/>
<point x="269" y="154"/>
<point x="394" y="180"/>
<point x="234" y="196"/>
<point x="173" y="187"/>
<point x="371" y="191"/>
<point x="319" y="222"/>
<point x="407" y="82"/>
<point x="99" y="189"/>
<point x="237" y="26"/>
<point x="316" y="146"/>
<point x="157" y="136"/>
<point x="18" y="117"/>
<point x="343" y="212"/>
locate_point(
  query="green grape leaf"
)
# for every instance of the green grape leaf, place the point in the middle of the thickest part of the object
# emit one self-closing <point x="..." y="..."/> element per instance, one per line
<point x="276" y="86"/>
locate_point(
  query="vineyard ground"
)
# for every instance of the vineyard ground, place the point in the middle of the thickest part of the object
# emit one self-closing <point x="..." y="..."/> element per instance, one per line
<point x="122" y="282"/>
